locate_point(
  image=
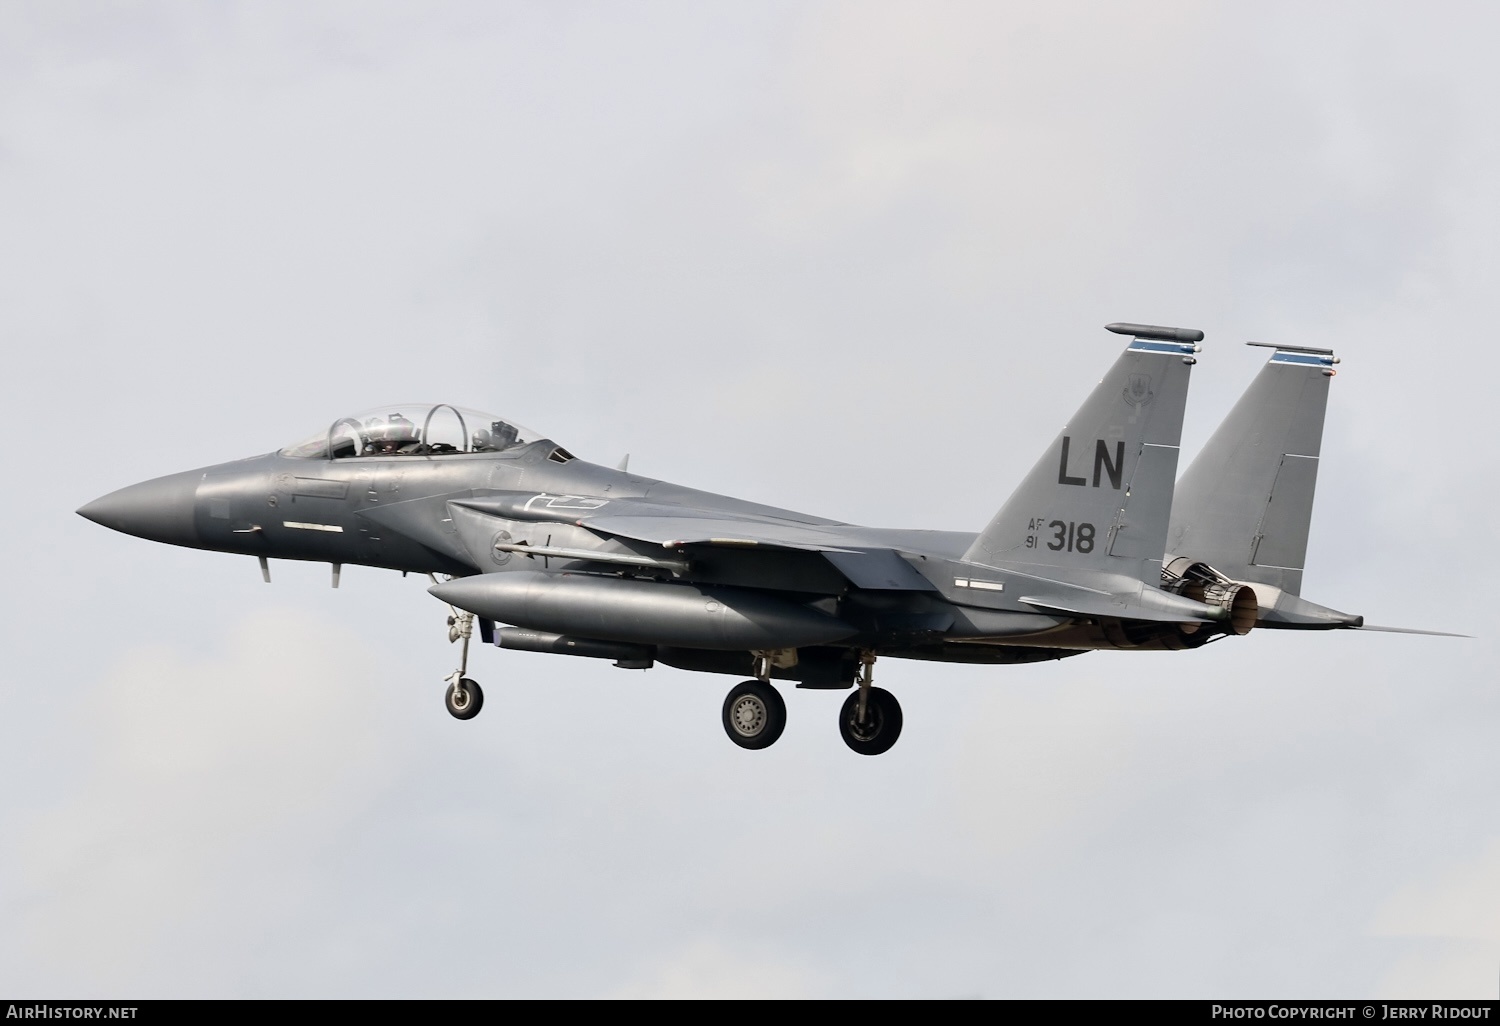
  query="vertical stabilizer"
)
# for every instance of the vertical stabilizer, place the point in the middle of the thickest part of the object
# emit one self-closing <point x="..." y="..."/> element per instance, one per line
<point x="1245" y="504"/>
<point x="1100" y="496"/>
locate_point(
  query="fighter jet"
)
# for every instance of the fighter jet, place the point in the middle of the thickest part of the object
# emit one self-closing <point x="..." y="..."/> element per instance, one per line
<point x="546" y="552"/>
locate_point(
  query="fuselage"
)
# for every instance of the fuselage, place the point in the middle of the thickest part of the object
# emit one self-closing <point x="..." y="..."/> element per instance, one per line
<point x="397" y="512"/>
<point x="390" y="511"/>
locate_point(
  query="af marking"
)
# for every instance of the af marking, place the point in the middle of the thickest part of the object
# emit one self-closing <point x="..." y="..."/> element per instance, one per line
<point x="1066" y="534"/>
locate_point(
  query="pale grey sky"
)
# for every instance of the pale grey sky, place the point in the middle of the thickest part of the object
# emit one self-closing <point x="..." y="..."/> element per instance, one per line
<point x="847" y="258"/>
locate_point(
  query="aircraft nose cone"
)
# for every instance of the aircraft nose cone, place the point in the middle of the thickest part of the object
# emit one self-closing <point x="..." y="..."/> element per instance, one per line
<point x="158" y="510"/>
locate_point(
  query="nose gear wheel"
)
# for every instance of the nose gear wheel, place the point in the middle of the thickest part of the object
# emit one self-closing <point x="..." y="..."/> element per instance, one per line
<point x="464" y="699"/>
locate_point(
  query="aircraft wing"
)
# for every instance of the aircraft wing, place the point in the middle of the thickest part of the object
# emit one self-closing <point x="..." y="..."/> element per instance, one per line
<point x="633" y="522"/>
<point x="691" y="528"/>
<point x="663" y="524"/>
<point x="877" y="569"/>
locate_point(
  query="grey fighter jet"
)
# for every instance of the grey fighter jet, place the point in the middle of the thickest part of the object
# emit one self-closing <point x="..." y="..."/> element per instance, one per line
<point x="545" y="552"/>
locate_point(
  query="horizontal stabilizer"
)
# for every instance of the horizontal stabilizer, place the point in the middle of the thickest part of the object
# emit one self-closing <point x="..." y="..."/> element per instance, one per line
<point x="1281" y="610"/>
<point x="1148" y="604"/>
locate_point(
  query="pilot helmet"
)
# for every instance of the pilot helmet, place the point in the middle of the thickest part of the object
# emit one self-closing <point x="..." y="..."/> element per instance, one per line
<point x="399" y="429"/>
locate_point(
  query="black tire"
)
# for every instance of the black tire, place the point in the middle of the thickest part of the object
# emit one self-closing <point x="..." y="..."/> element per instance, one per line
<point x="754" y="715"/>
<point x="882" y="724"/>
<point x="464" y="699"/>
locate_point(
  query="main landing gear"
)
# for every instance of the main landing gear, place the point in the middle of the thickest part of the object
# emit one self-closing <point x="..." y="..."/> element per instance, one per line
<point x="754" y="714"/>
<point x="869" y="721"/>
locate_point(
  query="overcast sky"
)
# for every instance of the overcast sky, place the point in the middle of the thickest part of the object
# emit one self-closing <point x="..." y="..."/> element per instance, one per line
<point x="853" y="259"/>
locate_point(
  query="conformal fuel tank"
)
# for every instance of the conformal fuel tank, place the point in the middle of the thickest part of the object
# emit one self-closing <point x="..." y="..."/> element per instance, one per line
<point x="646" y="612"/>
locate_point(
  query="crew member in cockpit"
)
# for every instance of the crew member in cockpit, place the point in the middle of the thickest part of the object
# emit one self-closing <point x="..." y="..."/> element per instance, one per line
<point x="503" y="434"/>
<point x="388" y="437"/>
<point x="499" y="437"/>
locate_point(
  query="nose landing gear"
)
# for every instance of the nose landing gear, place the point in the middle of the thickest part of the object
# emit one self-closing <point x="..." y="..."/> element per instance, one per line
<point x="464" y="698"/>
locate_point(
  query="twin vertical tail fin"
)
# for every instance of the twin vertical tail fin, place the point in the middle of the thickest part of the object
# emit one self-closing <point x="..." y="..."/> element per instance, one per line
<point x="1100" y="497"/>
<point x="1245" y="504"/>
<point x="1244" y="507"/>
<point x="1232" y="545"/>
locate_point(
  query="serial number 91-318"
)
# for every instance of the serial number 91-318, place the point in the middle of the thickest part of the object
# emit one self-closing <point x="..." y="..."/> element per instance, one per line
<point x="1065" y="535"/>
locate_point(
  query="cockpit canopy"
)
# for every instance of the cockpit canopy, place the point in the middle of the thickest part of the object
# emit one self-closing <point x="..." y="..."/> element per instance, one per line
<point x="413" y="429"/>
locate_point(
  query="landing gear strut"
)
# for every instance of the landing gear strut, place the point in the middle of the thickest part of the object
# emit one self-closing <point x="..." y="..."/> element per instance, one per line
<point x="464" y="697"/>
<point x="870" y="720"/>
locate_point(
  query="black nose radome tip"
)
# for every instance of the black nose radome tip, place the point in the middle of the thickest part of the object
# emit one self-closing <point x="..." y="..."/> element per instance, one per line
<point x="159" y="510"/>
